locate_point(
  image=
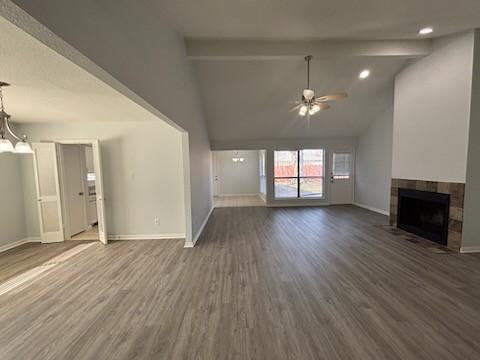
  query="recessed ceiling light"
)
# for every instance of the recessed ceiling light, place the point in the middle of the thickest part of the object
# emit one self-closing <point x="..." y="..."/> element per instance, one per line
<point x="425" y="31"/>
<point x="364" y="74"/>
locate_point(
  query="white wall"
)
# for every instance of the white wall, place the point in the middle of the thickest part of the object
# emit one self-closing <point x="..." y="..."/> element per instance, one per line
<point x="132" y="43"/>
<point x="432" y="112"/>
<point x="143" y="175"/>
<point x="471" y="225"/>
<point x="373" y="161"/>
<point x="237" y="178"/>
<point x="12" y="219"/>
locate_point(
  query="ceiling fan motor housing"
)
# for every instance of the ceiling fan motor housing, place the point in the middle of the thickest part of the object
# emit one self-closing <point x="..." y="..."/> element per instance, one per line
<point x="308" y="94"/>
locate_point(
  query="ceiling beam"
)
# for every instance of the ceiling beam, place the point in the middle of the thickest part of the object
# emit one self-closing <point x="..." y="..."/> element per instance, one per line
<point x="210" y="49"/>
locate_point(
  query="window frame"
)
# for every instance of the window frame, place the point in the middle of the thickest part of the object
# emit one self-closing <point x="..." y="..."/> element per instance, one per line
<point x="342" y="177"/>
<point x="299" y="177"/>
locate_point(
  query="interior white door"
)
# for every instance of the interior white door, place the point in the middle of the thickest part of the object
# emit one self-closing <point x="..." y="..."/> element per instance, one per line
<point x="74" y="185"/>
<point x="341" y="177"/>
<point x="97" y="164"/>
<point x="48" y="192"/>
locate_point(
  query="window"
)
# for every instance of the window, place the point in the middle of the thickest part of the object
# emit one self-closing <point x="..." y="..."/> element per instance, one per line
<point x="341" y="165"/>
<point x="299" y="173"/>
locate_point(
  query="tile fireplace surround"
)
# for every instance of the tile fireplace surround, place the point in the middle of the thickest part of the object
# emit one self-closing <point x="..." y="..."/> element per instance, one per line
<point x="456" y="191"/>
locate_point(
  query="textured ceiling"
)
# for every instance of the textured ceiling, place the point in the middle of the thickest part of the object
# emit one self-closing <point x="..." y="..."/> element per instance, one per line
<point x="47" y="87"/>
<point x="319" y="19"/>
<point x="250" y="100"/>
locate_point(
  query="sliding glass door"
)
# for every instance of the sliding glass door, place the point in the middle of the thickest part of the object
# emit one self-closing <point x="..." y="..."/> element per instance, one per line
<point x="299" y="174"/>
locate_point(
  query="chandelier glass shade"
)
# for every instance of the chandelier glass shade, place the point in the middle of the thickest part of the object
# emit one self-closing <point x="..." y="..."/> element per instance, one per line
<point x="6" y="146"/>
<point x="237" y="158"/>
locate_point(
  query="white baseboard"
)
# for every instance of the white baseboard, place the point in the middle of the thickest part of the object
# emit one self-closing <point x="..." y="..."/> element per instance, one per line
<point x="263" y="196"/>
<point x="18" y="243"/>
<point x="189" y="244"/>
<point x="146" y="237"/>
<point x="470" y="249"/>
<point x="230" y="195"/>
<point x="371" y="208"/>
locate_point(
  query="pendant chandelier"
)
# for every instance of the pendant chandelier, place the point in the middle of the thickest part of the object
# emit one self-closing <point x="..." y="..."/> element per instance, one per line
<point x="237" y="158"/>
<point x="21" y="147"/>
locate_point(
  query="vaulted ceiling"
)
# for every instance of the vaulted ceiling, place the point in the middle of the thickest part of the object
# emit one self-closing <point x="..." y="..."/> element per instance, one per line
<point x="319" y="19"/>
<point x="249" y="72"/>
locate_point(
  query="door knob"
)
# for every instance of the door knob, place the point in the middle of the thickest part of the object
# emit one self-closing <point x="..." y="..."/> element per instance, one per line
<point x="80" y="193"/>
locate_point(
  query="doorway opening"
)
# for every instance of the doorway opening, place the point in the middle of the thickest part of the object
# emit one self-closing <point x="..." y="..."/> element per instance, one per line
<point x="78" y="192"/>
<point x="68" y="177"/>
<point x="239" y="178"/>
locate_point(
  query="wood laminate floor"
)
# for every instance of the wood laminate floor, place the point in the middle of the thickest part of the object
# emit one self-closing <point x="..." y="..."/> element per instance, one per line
<point x="91" y="234"/>
<point x="262" y="283"/>
<point x="27" y="256"/>
<point x="238" y="201"/>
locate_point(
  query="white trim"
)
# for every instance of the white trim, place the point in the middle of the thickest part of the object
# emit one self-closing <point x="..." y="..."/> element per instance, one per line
<point x="229" y="195"/>
<point x="371" y="208"/>
<point x="263" y="197"/>
<point x="470" y="249"/>
<point x="146" y="237"/>
<point x="191" y="244"/>
<point x="18" y="243"/>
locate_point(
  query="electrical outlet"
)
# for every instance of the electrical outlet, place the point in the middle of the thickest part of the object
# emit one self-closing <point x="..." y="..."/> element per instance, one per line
<point x="156" y="220"/>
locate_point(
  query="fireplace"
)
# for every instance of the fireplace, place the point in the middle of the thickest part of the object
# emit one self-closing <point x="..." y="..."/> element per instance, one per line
<point x="424" y="213"/>
<point x="442" y="191"/>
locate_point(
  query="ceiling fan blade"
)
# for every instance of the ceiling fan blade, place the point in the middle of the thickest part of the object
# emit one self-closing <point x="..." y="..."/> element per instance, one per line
<point x="296" y="107"/>
<point x="322" y="105"/>
<point x="332" y="97"/>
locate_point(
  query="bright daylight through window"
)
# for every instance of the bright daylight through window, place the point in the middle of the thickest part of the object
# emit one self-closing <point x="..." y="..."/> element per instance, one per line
<point x="341" y="165"/>
<point x="299" y="174"/>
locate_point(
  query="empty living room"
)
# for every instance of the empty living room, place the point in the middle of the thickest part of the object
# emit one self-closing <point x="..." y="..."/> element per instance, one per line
<point x="263" y="179"/>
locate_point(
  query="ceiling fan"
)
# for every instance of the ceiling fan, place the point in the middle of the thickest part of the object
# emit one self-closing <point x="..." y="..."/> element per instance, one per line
<point x="310" y="104"/>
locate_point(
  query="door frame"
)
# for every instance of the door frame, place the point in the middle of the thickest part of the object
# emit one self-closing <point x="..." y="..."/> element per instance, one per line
<point x="100" y="201"/>
<point x="341" y="149"/>
<point x="63" y="191"/>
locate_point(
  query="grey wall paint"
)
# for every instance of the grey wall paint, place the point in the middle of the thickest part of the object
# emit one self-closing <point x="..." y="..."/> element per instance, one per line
<point x="143" y="174"/>
<point x="373" y="161"/>
<point x="12" y="220"/>
<point x="471" y="225"/>
<point x="432" y="113"/>
<point x="135" y="45"/>
<point x="238" y="178"/>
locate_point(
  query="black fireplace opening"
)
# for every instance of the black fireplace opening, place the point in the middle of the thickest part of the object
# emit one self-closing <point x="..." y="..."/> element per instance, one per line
<point x="424" y="213"/>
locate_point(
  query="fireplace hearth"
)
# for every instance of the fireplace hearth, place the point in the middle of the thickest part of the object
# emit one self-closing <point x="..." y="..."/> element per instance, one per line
<point x="424" y="213"/>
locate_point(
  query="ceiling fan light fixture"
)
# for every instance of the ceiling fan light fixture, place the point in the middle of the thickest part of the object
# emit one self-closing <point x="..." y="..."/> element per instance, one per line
<point x="308" y="94"/>
<point x="309" y="104"/>
<point x="303" y="110"/>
